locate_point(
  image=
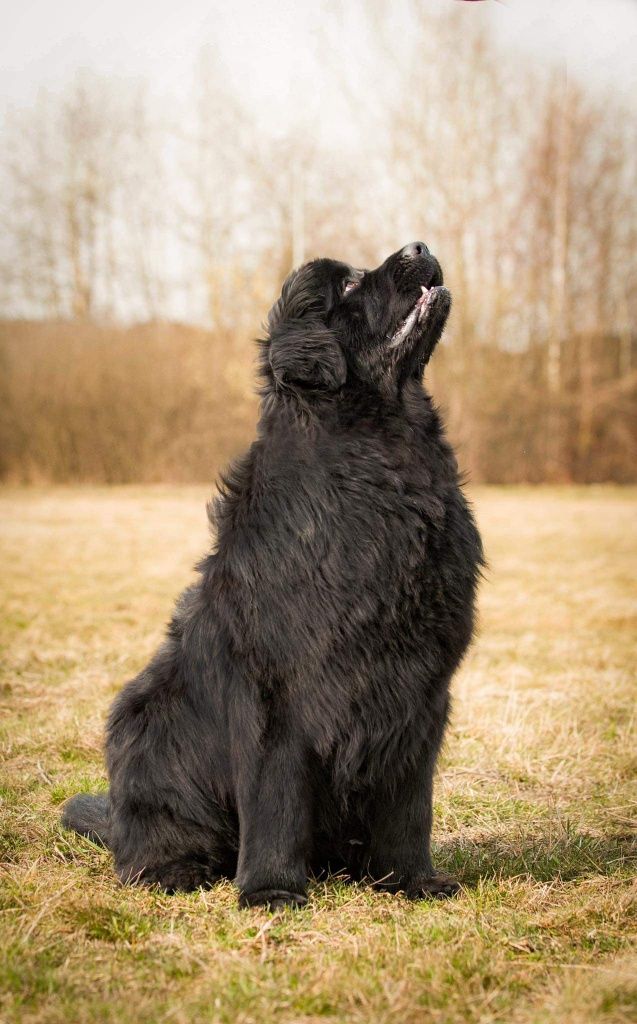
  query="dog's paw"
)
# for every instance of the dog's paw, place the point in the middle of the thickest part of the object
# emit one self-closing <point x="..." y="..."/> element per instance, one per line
<point x="437" y="887"/>
<point x="183" y="875"/>
<point x="272" y="899"/>
<point x="421" y="887"/>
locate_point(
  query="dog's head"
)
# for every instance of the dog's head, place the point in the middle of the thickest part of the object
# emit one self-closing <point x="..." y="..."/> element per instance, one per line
<point x="336" y="326"/>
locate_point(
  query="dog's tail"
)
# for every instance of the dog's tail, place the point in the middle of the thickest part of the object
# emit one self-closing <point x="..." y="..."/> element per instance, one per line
<point x="89" y="815"/>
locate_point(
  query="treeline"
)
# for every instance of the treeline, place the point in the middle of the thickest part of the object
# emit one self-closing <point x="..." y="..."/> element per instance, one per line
<point x="169" y="402"/>
<point x="83" y="402"/>
<point x="141" y="247"/>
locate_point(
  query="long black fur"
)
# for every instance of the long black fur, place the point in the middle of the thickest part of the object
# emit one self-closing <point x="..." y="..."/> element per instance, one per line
<point x="291" y="720"/>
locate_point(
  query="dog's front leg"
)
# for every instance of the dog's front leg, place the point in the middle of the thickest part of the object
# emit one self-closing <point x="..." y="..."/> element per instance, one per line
<point x="274" y="804"/>
<point x="401" y="818"/>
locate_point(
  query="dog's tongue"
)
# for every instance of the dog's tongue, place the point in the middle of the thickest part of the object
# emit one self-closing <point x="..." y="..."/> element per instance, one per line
<point x="417" y="315"/>
<point x="423" y="302"/>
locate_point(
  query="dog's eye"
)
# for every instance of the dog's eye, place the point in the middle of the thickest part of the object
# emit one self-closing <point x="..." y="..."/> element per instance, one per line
<point x="349" y="286"/>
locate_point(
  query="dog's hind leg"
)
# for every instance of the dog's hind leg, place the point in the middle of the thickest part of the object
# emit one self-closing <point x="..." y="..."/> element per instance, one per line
<point x="184" y="874"/>
<point x="157" y="847"/>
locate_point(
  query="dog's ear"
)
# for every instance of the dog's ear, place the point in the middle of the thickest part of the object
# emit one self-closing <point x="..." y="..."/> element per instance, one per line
<point x="302" y="351"/>
<point x="305" y="354"/>
<point x="300" y="297"/>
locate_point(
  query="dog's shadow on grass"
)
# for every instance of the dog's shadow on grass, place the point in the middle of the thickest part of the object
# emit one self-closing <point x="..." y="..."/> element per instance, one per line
<point x="563" y="855"/>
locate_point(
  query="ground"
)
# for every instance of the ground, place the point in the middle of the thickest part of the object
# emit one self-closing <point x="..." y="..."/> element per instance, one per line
<point x="534" y="802"/>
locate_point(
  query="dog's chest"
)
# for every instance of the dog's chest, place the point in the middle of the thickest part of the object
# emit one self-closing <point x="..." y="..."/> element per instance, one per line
<point x="390" y="488"/>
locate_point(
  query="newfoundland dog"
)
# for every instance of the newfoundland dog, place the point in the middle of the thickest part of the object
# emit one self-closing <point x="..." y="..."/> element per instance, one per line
<point x="290" y="722"/>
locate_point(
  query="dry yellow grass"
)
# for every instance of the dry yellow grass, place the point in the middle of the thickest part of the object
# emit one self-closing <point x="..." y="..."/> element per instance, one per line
<point x="535" y="796"/>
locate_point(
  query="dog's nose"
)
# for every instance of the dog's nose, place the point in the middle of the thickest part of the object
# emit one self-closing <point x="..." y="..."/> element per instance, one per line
<point x="414" y="249"/>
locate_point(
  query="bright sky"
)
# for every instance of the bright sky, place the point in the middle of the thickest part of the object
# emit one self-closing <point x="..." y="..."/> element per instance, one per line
<point x="268" y="47"/>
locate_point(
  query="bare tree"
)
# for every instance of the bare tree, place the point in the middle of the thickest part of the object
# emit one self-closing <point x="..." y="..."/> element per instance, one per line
<point x="117" y="206"/>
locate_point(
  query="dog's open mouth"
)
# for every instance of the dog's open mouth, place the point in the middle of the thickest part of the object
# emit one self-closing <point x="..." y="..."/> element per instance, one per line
<point x="416" y="316"/>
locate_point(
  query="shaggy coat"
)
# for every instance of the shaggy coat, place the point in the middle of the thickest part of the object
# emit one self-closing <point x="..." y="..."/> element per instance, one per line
<point x="290" y="722"/>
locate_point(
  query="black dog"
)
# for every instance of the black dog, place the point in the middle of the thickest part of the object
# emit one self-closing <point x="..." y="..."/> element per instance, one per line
<point x="291" y="720"/>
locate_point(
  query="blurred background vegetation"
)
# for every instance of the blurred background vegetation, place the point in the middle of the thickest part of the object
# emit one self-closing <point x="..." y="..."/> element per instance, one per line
<point x="142" y="243"/>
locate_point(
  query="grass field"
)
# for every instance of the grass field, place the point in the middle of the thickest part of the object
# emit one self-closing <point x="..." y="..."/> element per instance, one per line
<point x="535" y="796"/>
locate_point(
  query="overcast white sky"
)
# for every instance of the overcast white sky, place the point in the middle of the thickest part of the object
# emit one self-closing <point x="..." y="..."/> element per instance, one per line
<point x="267" y="46"/>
